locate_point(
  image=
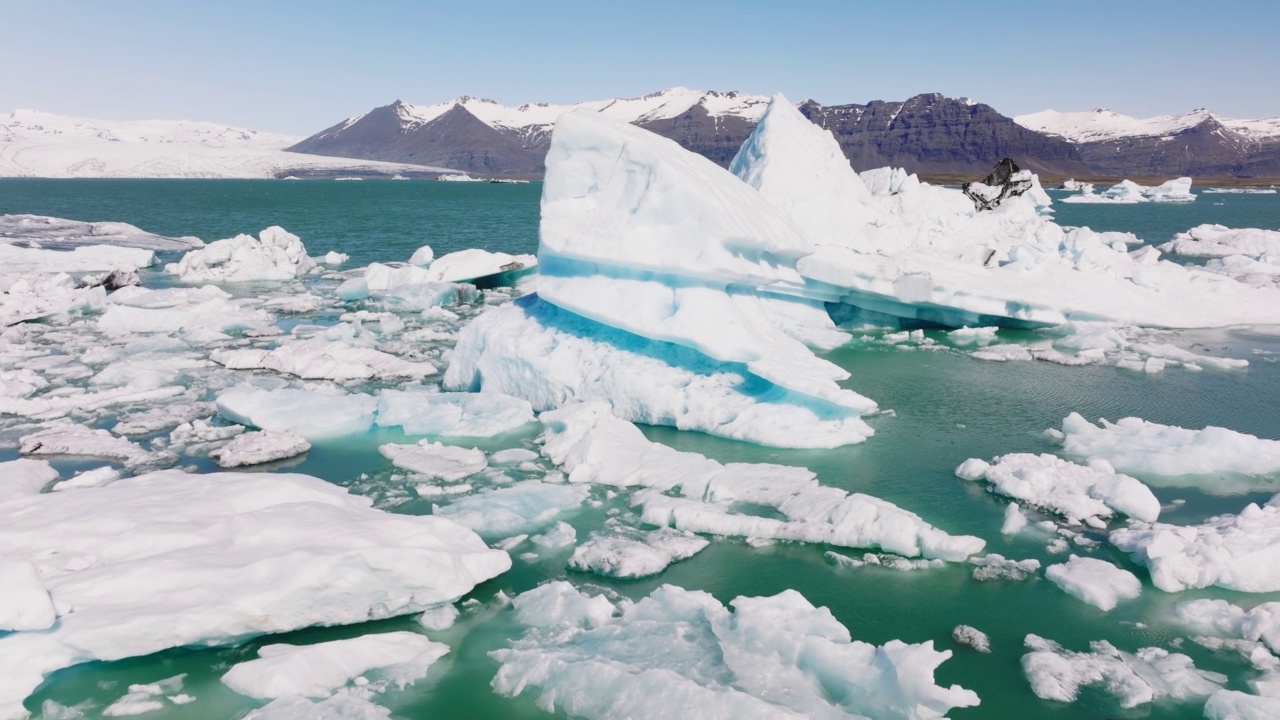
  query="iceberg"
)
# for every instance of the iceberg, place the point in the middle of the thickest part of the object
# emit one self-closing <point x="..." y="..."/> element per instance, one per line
<point x="1136" y="445"/>
<point x="255" y="448"/>
<point x="1260" y="624"/>
<point x="1095" y="581"/>
<point x="1088" y="494"/>
<point x="473" y="264"/>
<point x="276" y="254"/>
<point x="167" y="560"/>
<point x="1127" y="192"/>
<point x="624" y="552"/>
<point x="925" y="255"/>
<point x="682" y="653"/>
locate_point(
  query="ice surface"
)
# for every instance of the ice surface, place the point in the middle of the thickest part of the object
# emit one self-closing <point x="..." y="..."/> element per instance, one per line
<point x="422" y="256"/>
<point x="68" y="439"/>
<point x="320" y="670"/>
<point x="680" y="652"/>
<point x="168" y="559"/>
<point x="925" y="254"/>
<point x="255" y="448"/>
<point x="997" y="567"/>
<point x="25" y="604"/>
<point x="61" y="234"/>
<point x="1221" y="618"/>
<point x="46" y="296"/>
<point x="149" y="697"/>
<point x="1083" y="494"/>
<point x="521" y="508"/>
<point x="338" y="707"/>
<point x="592" y="445"/>
<point x="24" y="477"/>
<point x="1150" y="675"/>
<point x="308" y="413"/>
<point x="439" y="618"/>
<point x="1219" y="241"/>
<point x="164" y="417"/>
<point x="276" y="254"/>
<point x="193" y="313"/>
<point x="1235" y="705"/>
<point x="435" y="460"/>
<point x="320" y="358"/>
<point x="1136" y="445"/>
<point x="452" y="414"/>
<point x="629" y="553"/>
<point x="1239" y="552"/>
<point x="472" y="263"/>
<point x="972" y="637"/>
<point x="1095" y="581"/>
<point x="1127" y="192"/>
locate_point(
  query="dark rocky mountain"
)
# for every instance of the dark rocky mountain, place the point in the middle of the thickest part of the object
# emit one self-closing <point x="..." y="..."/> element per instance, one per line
<point x="928" y="134"/>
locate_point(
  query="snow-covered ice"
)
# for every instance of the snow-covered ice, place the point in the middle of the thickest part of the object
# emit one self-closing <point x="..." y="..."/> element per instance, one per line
<point x="435" y="461"/>
<point x="1095" y="581"/>
<point x="629" y="553"/>
<point x="1088" y="494"/>
<point x="81" y="259"/>
<point x="524" y="507"/>
<point x="452" y="414"/>
<point x="311" y="414"/>
<point x="169" y="559"/>
<point x="1259" y="624"/>
<point x="1238" y="552"/>
<point x="255" y="448"/>
<point x="320" y="670"/>
<point x="1127" y="192"/>
<point x="62" y="234"/>
<point x="1149" y="675"/>
<point x="681" y="652"/>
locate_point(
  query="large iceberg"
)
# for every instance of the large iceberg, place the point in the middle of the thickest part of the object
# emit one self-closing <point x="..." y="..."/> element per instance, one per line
<point x="276" y="254"/>
<point x="167" y="560"/>
<point x="926" y="255"/>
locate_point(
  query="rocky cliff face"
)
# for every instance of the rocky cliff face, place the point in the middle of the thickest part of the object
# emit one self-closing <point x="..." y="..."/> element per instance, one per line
<point x="1208" y="149"/>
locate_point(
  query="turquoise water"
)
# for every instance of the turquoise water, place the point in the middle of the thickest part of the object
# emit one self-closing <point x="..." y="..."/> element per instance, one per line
<point x="947" y="407"/>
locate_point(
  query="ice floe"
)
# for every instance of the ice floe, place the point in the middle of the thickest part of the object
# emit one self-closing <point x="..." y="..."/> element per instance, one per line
<point x="1259" y="624"/>
<point x="276" y="254"/>
<point x="62" y="234"/>
<point x="255" y="448"/>
<point x="520" y="508"/>
<point x="86" y="258"/>
<point x="766" y="657"/>
<point x="625" y="552"/>
<point x="594" y="446"/>
<point x="145" y="698"/>
<point x="320" y="670"/>
<point x="452" y="414"/>
<point x="1089" y="494"/>
<point x="1149" y="675"/>
<point x="1136" y="445"/>
<point x="1235" y="705"/>
<point x="435" y="461"/>
<point x="169" y="559"/>
<point x="972" y="637"/>
<point x="1128" y="192"/>
<point x="312" y="414"/>
<point x="1095" y="581"/>
<point x="1239" y="552"/>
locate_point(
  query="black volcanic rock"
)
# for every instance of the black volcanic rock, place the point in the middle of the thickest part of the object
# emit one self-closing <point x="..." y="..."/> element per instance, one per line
<point x="1004" y="181"/>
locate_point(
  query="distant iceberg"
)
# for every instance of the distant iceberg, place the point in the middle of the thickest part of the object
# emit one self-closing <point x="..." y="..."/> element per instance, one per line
<point x="1127" y="192"/>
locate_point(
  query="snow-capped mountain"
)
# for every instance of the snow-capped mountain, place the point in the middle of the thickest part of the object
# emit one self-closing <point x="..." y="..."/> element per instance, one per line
<point x="1195" y="143"/>
<point x="1103" y="124"/>
<point x="928" y="133"/>
<point x="39" y="144"/>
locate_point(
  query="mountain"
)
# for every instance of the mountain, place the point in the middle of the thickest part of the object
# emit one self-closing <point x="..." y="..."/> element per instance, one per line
<point x="38" y="144"/>
<point x="1197" y="143"/>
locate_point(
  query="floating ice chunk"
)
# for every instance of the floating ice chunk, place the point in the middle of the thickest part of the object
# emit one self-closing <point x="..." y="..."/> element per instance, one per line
<point x="25" y="603"/>
<point x="1089" y="494"/>
<point x="452" y="414"/>
<point x="439" y="618"/>
<point x="998" y="567"/>
<point x="338" y="707"/>
<point x="97" y="477"/>
<point x="1176" y="190"/>
<point x="513" y="456"/>
<point x="148" y="697"/>
<point x="162" y="311"/>
<point x="1234" y="705"/>
<point x="973" y="336"/>
<point x="24" y="477"/>
<point x="1150" y="675"/>
<point x="1137" y="445"/>
<point x="163" y="417"/>
<point x="434" y="460"/>
<point x="1259" y="624"/>
<point x="533" y="350"/>
<point x="1004" y="353"/>
<point x="593" y="445"/>
<point x="200" y="437"/>
<point x="319" y="358"/>
<point x="335" y="258"/>
<point x="972" y="637"/>
<point x="1238" y="552"/>
<point x="682" y="652"/>
<point x="263" y="446"/>
<point x="147" y="370"/>
<point x="628" y="553"/>
<point x="320" y="670"/>
<point x="422" y="256"/>
<point x="1014" y="520"/>
<point x="889" y="180"/>
<point x="521" y="508"/>
<point x="14" y="259"/>
<point x="474" y="263"/>
<point x="80" y="440"/>
<point x="276" y="254"/>
<point x="311" y="414"/>
<point x="46" y="296"/>
<point x="561" y="535"/>
<point x="1220" y="241"/>
<point x="169" y="559"/>
<point x="892" y="562"/>
<point x="1094" y="581"/>
<point x="62" y="234"/>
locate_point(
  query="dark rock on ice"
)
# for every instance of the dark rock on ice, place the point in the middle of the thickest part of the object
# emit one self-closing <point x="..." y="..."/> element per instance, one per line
<point x="111" y="281"/>
<point x="1004" y="181"/>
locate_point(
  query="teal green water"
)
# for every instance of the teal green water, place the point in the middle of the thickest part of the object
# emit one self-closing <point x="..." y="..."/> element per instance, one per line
<point x="947" y="407"/>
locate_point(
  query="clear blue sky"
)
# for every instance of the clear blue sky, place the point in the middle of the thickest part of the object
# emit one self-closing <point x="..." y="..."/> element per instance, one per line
<point x="298" y="67"/>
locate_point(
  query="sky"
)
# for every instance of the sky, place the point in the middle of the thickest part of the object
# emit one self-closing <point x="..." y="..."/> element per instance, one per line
<point x="298" y="67"/>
